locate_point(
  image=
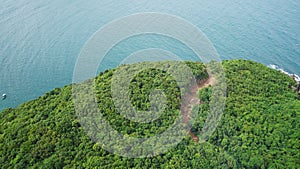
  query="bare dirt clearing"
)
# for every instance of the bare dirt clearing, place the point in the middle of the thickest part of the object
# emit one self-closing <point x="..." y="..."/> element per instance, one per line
<point x="190" y="99"/>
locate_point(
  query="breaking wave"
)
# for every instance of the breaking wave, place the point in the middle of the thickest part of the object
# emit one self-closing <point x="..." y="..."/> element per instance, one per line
<point x="276" y="67"/>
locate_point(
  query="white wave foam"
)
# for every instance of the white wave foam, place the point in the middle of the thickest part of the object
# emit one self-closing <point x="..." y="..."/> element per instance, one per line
<point x="276" y="67"/>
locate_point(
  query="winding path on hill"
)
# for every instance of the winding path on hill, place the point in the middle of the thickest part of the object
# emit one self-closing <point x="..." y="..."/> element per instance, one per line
<point x="190" y="99"/>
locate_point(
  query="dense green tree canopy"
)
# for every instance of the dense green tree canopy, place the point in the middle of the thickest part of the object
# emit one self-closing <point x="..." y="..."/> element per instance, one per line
<point x="259" y="127"/>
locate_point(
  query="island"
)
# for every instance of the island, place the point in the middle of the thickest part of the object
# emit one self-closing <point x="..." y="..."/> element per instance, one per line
<point x="259" y="127"/>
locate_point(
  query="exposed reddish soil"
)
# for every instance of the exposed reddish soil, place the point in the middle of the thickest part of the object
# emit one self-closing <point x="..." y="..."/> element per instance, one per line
<point x="190" y="99"/>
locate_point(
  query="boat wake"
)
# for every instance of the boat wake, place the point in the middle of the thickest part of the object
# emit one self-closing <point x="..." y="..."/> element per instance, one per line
<point x="276" y="67"/>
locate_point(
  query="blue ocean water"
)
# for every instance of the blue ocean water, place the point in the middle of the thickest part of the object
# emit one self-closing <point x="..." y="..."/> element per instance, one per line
<point x="40" y="40"/>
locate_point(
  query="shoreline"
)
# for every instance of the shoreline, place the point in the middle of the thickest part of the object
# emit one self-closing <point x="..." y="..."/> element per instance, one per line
<point x="292" y="75"/>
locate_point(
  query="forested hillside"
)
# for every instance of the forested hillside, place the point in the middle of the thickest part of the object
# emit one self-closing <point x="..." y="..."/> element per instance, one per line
<point x="259" y="127"/>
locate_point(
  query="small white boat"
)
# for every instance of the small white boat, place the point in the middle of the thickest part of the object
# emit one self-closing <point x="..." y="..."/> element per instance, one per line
<point x="4" y="96"/>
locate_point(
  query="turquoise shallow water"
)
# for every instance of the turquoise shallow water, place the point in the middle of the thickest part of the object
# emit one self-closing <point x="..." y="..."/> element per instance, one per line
<point x="40" y="40"/>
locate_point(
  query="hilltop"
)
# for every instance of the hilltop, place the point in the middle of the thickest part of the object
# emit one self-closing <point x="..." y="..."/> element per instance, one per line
<point x="259" y="127"/>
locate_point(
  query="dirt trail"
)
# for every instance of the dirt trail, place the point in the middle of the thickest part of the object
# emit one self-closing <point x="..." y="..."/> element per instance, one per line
<point x="190" y="99"/>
